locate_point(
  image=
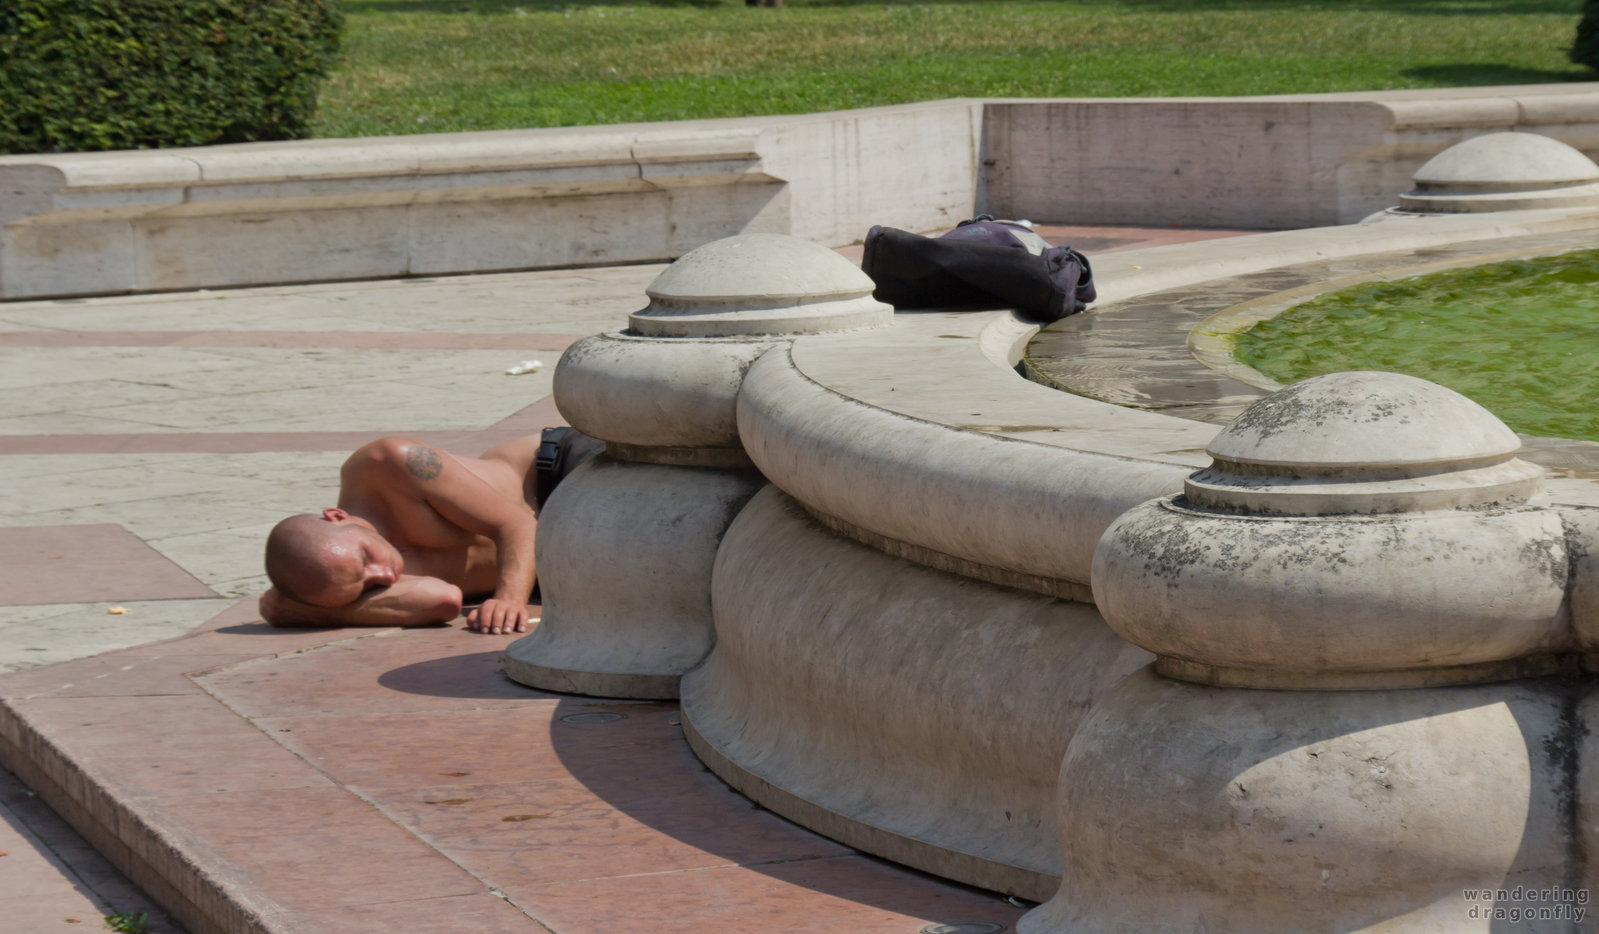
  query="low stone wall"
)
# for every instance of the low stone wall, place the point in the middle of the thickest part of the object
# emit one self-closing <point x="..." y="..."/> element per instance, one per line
<point x="257" y="213"/>
<point x="312" y="210"/>
<point x="343" y="209"/>
<point x="1309" y="160"/>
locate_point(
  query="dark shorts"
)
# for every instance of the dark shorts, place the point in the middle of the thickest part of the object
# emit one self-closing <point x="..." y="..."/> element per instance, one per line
<point x="561" y="451"/>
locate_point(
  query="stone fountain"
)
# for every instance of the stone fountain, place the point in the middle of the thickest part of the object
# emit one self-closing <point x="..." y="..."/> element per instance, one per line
<point x="1327" y="669"/>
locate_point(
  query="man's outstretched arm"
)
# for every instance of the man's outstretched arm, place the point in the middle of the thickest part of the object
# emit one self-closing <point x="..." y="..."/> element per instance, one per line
<point x="409" y="601"/>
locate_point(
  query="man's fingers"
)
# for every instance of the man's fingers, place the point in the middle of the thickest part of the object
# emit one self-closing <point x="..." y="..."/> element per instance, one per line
<point x="497" y="616"/>
<point x="515" y="619"/>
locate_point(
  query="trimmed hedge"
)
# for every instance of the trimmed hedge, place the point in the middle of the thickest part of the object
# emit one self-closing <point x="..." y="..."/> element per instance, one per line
<point x="80" y="75"/>
<point x="1586" y="49"/>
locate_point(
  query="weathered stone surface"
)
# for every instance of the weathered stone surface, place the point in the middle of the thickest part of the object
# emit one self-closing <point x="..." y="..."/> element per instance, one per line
<point x="642" y="391"/>
<point x="1187" y="808"/>
<point x="1336" y="602"/>
<point x="1354" y="530"/>
<point x="916" y="714"/>
<point x="1363" y="442"/>
<point x="624" y="557"/>
<point x="1365" y="419"/>
<point x="1582" y="547"/>
<point x="997" y="502"/>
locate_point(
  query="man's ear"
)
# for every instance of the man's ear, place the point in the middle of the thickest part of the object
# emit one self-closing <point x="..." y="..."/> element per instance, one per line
<point x="335" y="514"/>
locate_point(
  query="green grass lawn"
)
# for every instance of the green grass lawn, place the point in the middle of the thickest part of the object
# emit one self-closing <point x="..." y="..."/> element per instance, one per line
<point x="425" y="66"/>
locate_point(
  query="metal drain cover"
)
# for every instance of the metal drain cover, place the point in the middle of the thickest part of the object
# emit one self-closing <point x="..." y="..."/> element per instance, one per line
<point x="593" y="717"/>
<point x="963" y="927"/>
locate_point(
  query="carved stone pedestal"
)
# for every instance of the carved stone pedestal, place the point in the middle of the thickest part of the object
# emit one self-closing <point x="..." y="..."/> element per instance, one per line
<point x="627" y="542"/>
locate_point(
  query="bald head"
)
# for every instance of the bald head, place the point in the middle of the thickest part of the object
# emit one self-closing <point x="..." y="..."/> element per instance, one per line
<point x="330" y="560"/>
<point x="299" y="553"/>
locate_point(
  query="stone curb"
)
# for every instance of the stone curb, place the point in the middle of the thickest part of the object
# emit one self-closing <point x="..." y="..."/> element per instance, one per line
<point x="142" y="837"/>
<point x="160" y="862"/>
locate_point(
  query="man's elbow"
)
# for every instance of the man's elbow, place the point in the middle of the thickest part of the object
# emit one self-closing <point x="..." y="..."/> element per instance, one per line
<point x="443" y="602"/>
<point x="274" y="611"/>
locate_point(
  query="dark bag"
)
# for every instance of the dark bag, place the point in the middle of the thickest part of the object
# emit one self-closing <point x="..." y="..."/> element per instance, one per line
<point x="983" y="263"/>
<point x="561" y="451"/>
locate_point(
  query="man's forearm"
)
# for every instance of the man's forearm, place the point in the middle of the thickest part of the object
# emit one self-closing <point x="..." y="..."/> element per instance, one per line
<point x="411" y="601"/>
<point x="515" y="554"/>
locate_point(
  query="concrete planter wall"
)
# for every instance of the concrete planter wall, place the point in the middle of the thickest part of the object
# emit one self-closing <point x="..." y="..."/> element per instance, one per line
<point x="472" y="202"/>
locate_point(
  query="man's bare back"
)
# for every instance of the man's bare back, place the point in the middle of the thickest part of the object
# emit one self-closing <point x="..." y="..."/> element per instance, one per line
<point x="416" y="530"/>
<point x="432" y="545"/>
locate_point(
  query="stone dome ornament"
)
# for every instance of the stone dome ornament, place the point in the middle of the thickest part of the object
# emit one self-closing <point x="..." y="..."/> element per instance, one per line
<point x="1354" y="531"/>
<point x="759" y="284"/>
<point x="1363" y="442"/>
<point x="1503" y="172"/>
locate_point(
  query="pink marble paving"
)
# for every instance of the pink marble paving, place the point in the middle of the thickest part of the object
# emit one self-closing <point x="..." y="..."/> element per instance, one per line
<point x="87" y="564"/>
<point x="346" y="780"/>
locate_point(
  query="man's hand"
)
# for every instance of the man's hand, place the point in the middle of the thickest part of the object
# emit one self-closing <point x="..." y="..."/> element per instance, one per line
<point x="497" y="616"/>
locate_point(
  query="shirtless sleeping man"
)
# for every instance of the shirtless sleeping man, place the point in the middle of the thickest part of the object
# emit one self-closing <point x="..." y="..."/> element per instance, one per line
<point x="416" y="531"/>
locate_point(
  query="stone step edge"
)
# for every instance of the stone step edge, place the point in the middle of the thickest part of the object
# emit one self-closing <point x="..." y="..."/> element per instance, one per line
<point x="158" y="861"/>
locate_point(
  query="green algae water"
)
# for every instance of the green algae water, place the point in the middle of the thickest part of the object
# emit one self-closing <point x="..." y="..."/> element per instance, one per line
<point x="1521" y="338"/>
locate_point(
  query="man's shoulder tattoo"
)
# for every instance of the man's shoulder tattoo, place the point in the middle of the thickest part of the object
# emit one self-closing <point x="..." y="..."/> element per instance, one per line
<point x="422" y="463"/>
